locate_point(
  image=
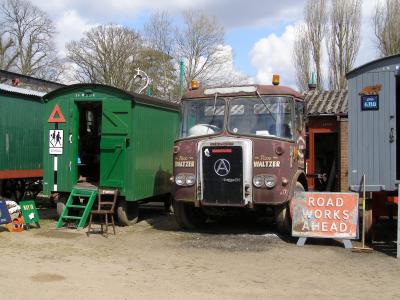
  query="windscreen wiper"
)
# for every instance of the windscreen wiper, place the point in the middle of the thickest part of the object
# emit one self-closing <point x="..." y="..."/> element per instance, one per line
<point x="266" y="106"/>
<point x="214" y="108"/>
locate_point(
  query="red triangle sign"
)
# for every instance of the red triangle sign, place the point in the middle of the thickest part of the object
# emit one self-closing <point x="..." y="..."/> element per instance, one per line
<point x="56" y="115"/>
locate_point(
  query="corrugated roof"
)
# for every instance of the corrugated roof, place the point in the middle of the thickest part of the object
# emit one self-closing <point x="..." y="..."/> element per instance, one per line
<point x="387" y="60"/>
<point x="326" y="102"/>
<point x="17" y="90"/>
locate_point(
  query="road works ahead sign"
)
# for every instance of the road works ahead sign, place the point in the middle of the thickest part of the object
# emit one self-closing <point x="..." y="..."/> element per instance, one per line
<point x="325" y="215"/>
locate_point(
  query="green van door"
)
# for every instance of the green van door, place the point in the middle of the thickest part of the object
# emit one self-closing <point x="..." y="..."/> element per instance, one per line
<point x="115" y="134"/>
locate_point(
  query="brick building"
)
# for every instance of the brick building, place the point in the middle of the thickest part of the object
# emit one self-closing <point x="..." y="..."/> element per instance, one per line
<point x="327" y="140"/>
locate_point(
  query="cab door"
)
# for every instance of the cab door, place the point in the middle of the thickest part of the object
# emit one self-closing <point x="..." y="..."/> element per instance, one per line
<point x="115" y="129"/>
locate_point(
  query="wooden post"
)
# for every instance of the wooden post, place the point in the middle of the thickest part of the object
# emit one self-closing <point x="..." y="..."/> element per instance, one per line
<point x="363" y="214"/>
<point x="363" y="248"/>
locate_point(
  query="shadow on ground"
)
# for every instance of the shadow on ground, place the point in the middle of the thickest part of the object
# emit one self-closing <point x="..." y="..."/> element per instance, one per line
<point x="385" y="237"/>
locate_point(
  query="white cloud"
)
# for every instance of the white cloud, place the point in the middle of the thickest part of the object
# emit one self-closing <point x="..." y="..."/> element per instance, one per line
<point x="272" y="55"/>
<point x="70" y="26"/>
<point x="228" y="74"/>
<point x="231" y="13"/>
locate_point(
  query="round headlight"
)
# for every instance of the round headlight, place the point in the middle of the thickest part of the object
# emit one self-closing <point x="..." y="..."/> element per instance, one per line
<point x="258" y="181"/>
<point x="180" y="179"/>
<point x="190" y="179"/>
<point x="270" y="181"/>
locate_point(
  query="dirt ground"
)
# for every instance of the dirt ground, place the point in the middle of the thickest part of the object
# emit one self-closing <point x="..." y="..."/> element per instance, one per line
<point x="155" y="260"/>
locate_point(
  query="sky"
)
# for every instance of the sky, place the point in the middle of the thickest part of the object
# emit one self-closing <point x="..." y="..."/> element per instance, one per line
<point x="259" y="33"/>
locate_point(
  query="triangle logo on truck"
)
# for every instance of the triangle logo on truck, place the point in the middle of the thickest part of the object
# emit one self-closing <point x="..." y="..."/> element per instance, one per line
<point x="56" y="115"/>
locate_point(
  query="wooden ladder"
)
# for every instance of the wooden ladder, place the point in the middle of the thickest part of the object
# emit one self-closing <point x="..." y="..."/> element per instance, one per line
<point x="83" y="207"/>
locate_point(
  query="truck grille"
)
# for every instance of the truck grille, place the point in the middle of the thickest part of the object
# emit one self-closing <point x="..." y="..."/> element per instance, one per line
<point x="222" y="175"/>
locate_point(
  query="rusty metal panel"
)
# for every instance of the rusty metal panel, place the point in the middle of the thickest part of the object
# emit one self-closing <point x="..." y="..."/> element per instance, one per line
<point x="325" y="215"/>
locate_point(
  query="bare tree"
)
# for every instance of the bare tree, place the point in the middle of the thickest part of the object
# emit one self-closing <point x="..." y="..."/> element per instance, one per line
<point x="387" y="23"/>
<point x="199" y="44"/>
<point x="343" y="41"/>
<point x="107" y="54"/>
<point x="301" y="58"/>
<point x="316" y="19"/>
<point x="8" y="53"/>
<point x="33" y="33"/>
<point x="159" y="35"/>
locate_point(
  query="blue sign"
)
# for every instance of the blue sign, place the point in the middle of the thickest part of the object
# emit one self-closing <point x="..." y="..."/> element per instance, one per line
<point x="369" y="102"/>
<point x="5" y="217"/>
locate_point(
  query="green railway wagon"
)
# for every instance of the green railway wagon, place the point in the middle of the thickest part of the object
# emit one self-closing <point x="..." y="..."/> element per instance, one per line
<point x="98" y="136"/>
<point x="21" y="140"/>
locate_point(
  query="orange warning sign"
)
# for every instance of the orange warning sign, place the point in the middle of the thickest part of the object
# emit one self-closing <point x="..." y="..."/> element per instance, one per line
<point x="323" y="214"/>
<point x="56" y="115"/>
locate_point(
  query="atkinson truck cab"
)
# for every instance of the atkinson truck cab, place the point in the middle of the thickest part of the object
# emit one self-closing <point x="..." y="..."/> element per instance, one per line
<point x="239" y="148"/>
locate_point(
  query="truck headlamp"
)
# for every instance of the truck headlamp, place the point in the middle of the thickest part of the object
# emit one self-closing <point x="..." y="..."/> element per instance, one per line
<point x="270" y="181"/>
<point x="180" y="179"/>
<point x="185" y="179"/>
<point x="258" y="181"/>
<point x="190" y="180"/>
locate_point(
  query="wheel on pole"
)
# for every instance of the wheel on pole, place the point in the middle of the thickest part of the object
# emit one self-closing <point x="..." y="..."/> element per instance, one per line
<point x="60" y="207"/>
<point x="282" y="214"/>
<point x="369" y="221"/>
<point x="188" y="216"/>
<point x="128" y="212"/>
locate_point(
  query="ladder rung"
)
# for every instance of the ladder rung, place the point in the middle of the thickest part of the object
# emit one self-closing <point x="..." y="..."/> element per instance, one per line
<point x="72" y="217"/>
<point x="82" y="194"/>
<point x="76" y="206"/>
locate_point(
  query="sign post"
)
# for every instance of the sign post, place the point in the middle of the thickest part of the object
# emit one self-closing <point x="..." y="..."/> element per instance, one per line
<point x="325" y="215"/>
<point x="56" y="139"/>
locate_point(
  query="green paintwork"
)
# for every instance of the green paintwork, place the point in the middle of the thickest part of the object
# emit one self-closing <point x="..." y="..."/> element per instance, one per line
<point x="85" y="208"/>
<point x="137" y="135"/>
<point x="68" y="170"/>
<point x="115" y="131"/>
<point x="21" y="133"/>
<point x="29" y="211"/>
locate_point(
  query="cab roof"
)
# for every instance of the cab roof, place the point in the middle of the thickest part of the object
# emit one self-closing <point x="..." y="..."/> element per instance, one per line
<point x="245" y="90"/>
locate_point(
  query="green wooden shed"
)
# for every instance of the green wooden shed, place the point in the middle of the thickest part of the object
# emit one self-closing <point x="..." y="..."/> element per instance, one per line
<point x="101" y="136"/>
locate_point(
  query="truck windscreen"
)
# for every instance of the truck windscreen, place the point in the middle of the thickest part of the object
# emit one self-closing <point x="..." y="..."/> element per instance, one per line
<point x="269" y="116"/>
<point x="202" y="117"/>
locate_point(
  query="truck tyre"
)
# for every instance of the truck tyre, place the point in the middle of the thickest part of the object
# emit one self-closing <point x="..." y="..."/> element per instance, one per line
<point x="282" y="214"/>
<point x="188" y="216"/>
<point x="128" y="212"/>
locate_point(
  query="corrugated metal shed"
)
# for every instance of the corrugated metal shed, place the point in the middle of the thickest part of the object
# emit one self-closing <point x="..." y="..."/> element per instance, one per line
<point x="21" y="91"/>
<point x="372" y="133"/>
<point x="326" y="102"/>
<point x="21" y="132"/>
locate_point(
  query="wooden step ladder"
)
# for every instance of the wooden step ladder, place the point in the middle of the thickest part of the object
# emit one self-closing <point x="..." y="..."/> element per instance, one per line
<point x="84" y="207"/>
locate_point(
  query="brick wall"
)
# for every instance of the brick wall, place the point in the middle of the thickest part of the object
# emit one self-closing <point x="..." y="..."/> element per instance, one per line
<point x="343" y="155"/>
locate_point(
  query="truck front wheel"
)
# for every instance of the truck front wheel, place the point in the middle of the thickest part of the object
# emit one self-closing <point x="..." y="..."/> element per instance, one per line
<point x="282" y="214"/>
<point x="188" y="216"/>
<point x="128" y="212"/>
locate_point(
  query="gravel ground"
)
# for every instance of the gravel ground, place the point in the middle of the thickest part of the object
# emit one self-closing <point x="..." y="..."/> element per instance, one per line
<point x="155" y="260"/>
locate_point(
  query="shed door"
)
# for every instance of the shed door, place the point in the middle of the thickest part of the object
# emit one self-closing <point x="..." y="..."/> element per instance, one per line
<point x="114" y="141"/>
